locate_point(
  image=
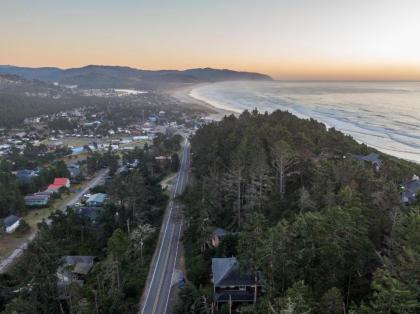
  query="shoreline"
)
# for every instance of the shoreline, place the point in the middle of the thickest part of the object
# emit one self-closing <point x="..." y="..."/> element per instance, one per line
<point x="218" y="111"/>
<point x="183" y="94"/>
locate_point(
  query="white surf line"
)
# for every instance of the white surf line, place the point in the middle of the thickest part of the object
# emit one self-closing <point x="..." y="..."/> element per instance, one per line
<point x="173" y="268"/>
<point x="163" y="238"/>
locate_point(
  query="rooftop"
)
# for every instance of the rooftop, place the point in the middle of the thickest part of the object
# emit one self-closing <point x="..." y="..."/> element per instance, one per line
<point x="10" y="220"/>
<point x="226" y="272"/>
<point x="97" y="198"/>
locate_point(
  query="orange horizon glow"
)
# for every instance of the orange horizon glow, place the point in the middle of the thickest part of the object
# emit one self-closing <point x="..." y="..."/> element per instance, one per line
<point x="288" y="39"/>
<point x="287" y="71"/>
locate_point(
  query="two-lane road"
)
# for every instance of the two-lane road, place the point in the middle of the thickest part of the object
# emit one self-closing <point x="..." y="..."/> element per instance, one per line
<point x="5" y="263"/>
<point x="156" y="294"/>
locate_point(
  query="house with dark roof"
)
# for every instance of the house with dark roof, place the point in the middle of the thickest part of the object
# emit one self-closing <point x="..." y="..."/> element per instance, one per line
<point x="232" y="286"/>
<point x="92" y="213"/>
<point x="25" y="176"/>
<point x="11" y="223"/>
<point x="73" y="270"/>
<point x="37" y="200"/>
<point x="372" y="158"/>
<point x="409" y="190"/>
<point x="217" y="235"/>
<point x="74" y="170"/>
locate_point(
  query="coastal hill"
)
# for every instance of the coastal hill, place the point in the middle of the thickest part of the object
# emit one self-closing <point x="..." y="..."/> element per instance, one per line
<point x="100" y="76"/>
<point x="15" y="84"/>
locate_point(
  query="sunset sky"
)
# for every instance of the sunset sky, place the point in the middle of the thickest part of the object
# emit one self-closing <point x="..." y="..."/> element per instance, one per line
<point x="288" y="39"/>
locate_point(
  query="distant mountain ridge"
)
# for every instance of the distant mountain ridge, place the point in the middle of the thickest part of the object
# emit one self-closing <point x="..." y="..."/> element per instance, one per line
<point x="101" y="76"/>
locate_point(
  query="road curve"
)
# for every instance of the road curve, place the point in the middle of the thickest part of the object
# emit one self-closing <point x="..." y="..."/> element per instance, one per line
<point x="157" y="291"/>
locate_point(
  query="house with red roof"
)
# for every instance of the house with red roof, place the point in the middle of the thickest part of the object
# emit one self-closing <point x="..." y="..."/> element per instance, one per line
<point x="57" y="184"/>
<point x="60" y="182"/>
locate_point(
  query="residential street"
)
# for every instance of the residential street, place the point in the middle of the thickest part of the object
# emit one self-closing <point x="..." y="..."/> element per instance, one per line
<point x="18" y="251"/>
<point x="156" y="294"/>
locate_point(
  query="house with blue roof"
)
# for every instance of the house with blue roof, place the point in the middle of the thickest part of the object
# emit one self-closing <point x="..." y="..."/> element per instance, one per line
<point x="37" y="200"/>
<point x="11" y="223"/>
<point x="96" y="200"/>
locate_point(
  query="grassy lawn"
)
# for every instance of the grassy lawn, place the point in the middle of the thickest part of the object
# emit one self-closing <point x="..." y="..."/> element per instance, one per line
<point x="168" y="180"/>
<point x="74" y="158"/>
<point x="139" y="143"/>
<point x="71" y="141"/>
<point x="9" y="242"/>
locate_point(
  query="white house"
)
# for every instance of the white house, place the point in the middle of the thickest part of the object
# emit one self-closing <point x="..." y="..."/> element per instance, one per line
<point x="11" y="223"/>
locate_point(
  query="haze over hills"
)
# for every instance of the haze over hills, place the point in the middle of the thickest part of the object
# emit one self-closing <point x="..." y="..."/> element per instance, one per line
<point x="16" y="84"/>
<point x="100" y="76"/>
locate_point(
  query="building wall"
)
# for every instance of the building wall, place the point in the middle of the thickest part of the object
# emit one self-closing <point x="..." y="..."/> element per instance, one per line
<point x="13" y="227"/>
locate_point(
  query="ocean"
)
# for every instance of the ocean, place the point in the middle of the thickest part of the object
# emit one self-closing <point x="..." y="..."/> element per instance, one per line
<point x="383" y="115"/>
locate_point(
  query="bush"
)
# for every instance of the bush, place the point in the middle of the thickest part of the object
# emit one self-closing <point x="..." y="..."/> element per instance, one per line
<point x="23" y="227"/>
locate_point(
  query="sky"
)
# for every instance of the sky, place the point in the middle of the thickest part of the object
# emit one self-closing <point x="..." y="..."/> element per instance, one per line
<point x="287" y="39"/>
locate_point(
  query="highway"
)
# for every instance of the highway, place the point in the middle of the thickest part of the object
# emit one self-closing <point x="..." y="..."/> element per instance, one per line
<point x="156" y="295"/>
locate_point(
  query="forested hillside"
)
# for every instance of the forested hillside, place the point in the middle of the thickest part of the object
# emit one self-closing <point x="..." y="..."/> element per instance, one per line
<point x="327" y="231"/>
<point x="14" y="108"/>
<point x="101" y="76"/>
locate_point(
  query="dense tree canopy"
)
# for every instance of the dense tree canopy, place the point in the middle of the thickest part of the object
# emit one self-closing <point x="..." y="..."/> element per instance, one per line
<point x="327" y="231"/>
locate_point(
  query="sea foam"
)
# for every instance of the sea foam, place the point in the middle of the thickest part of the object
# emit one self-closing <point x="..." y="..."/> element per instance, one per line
<point x="383" y="115"/>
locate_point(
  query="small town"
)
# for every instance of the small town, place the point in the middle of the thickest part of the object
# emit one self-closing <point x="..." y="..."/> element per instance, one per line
<point x="210" y="157"/>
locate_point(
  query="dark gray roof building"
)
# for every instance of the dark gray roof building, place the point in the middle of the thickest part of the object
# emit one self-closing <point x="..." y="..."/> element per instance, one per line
<point x="226" y="273"/>
<point x="93" y="213"/>
<point x="372" y="158"/>
<point x="10" y="220"/>
<point x="409" y="190"/>
<point x="230" y="285"/>
<point x="25" y="176"/>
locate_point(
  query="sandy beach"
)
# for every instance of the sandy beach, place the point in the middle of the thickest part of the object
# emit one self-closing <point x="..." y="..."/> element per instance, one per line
<point x="183" y="94"/>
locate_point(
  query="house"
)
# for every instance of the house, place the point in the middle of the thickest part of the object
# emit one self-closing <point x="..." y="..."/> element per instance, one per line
<point x="55" y="145"/>
<point x="37" y="200"/>
<point x="46" y="192"/>
<point x="20" y="134"/>
<point x="372" y="158"/>
<point x="73" y="270"/>
<point x="74" y="170"/>
<point x="25" y="176"/>
<point x="11" y="223"/>
<point x="56" y="185"/>
<point x="217" y="235"/>
<point x="163" y="161"/>
<point x="409" y="190"/>
<point x="92" y="213"/>
<point x="96" y="200"/>
<point x="153" y="118"/>
<point x="232" y="286"/>
<point x="51" y="189"/>
<point x="60" y="182"/>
